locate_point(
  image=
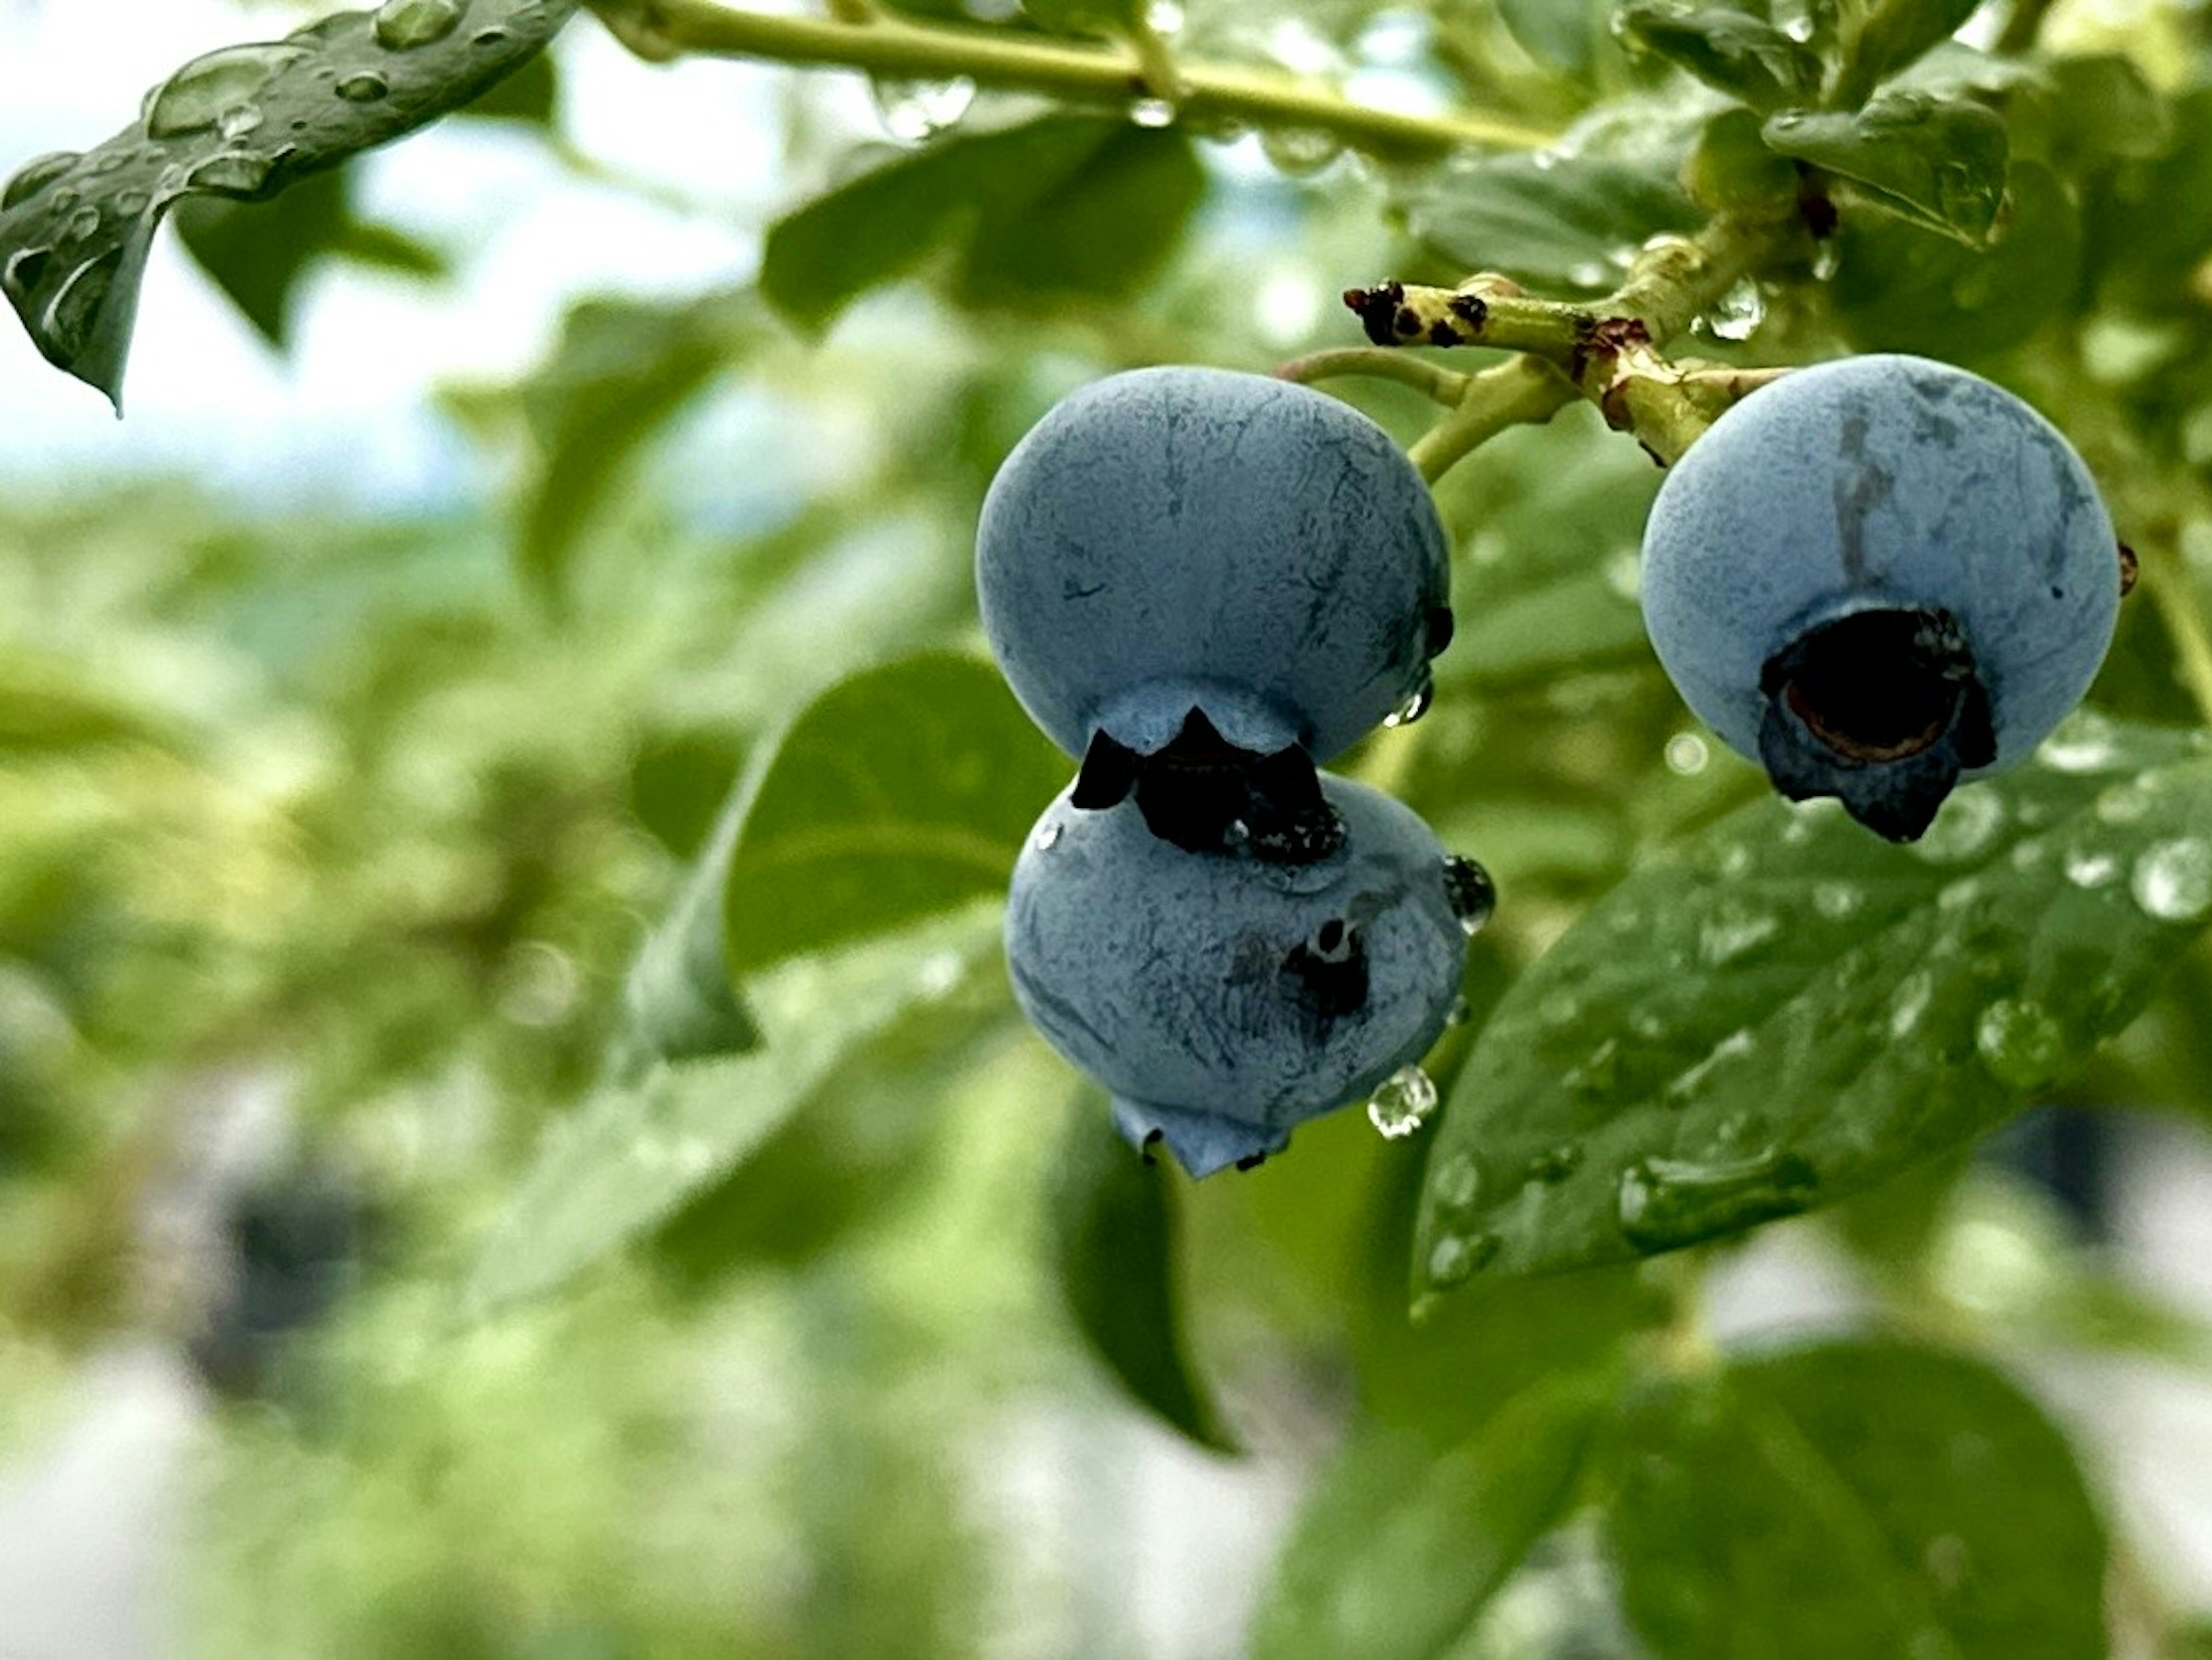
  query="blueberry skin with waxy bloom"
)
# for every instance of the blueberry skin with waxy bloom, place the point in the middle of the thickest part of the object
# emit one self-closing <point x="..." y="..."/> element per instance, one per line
<point x="1178" y="538"/>
<point x="1878" y="576"/>
<point x="1224" y="999"/>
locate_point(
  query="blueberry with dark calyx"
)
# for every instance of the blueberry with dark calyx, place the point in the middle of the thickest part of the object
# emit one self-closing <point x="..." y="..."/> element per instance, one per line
<point x="1180" y="541"/>
<point x="1224" y="997"/>
<point x="1878" y="577"/>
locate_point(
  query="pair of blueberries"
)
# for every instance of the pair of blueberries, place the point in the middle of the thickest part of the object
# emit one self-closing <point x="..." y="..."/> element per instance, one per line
<point x="1876" y="577"/>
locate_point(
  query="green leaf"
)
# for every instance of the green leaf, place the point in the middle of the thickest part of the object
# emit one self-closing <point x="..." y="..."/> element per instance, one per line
<point x="1061" y="204"/>
<point x="1851" y="1499"/>
<point x="620" y="371"/>
<point x="1787" y="1009"/>
<point x="1398" y="1550"/>
<point x="1745" y="57"/>
<point x="636" y="1152"/>
<point x="1114" y="1249"/>
<point x="679" y="1003"/>
<point x="75" y="230"/>
<point x="1566" y="35"/>
<point x="259" y="254"/>
<point x="1565" y="220"/>
<point x="1731" y="169"/>
<point x="904" y="790"/>
<point x="1900" y="287"/>
<point x="1938" y="162"/>
<point x="1881" y="38"/>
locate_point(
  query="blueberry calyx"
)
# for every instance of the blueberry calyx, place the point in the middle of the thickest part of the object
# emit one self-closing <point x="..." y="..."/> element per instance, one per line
<point x="1882" y="709"/>
<point x="1204" y="794"/>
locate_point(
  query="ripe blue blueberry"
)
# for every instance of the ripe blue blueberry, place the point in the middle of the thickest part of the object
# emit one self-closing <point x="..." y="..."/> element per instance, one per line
<point x="1880" y="576"/>
<point x="1217" y="568"/>
<point x="1225" y="998"/>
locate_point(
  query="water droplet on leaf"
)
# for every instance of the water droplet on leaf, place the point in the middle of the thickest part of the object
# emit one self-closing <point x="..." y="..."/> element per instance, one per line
<point x="1661" y="1204"/>
<point x="2172" y="881"/>
<point x="1456" y="1182"/>
<point x="1300" y="150"/>
<point x="365" y="87"/>
<point x="1556" y="1165"/>
<point x="2020" y="1042"/>
<point x="1453" y="1259"/>
<point x="1737" y="314"/>
<point x="2084" y="742"/>
<point x="1963" y="827"/>
<point x="194" y="99"/>
<point x="2124" y="804"/>
<point x="83" y="224"/>
<point x="238" y="120"/>
<point x="1909" y="1002"/>
<point x="1835" y="900"/>
<point x="1686" y="754"/>
<point x="1403" y="1102"/>
<point x="404" y="25"/>
<point x="1734" y="930"/>
<point x="35" y="175"/>
<point x="2090" y="867"/>
<point x="234" y="173"/>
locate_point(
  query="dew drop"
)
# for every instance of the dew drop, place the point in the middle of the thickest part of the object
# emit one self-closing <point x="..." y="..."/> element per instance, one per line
<point x="35" y="175"/>
<point x="2089" y="867"/>
<point x="234" y="173"/>
<point x="1909" y="1002"/>
<point x="1963" y="828"/>
<point x="1737" y="314"/>
<point x="2172" y="880"/>
<point x="1690" y="1085"/>
<point x="914" y="111"/>
<point x="83" y="225"/>
<point x="2123" y="804"/>
<point x="1414" y="706"/>
<point x="2084" y="742"/>
<point x="404" y="25"/>
<point x="1048" y="837"/>
<point x="1457" y="1258"/>
<point x="1403" y="1102"/>
<point x="1599" y="1074"/>
<point x="365" y="87"/>
<point x="1153" y="112"/>
<point x="193" y="100"/>
<point x="1624" y="573"/>
<point x="1835" y="900"/>
<point x="489" y="40"/>
<point x="2019" y="1042"/>
<point x="1588" y="274"/>
<point x="1661" y="1204"/>
<point x="1456" y="1182"/>
<point x="1686" y="754"/>
<point x="1555" y="1164"/>
<point x="239" y="119"/>
<point x="1300" y="150"/>
<point x="1470" y="892"/>
<point x="24" y="269"/>
<point x="1734" y="930"/>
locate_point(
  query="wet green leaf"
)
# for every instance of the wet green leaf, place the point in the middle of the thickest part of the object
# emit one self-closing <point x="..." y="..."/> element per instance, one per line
<point x="904" y="790"/>
<point x="1567" y="35"/>
<point x="1730" y="51"/>
<point x="1851" y="1499"/>
<point x="1786" y="1009"/>
<point x="634" y="1153"/>
<point x="1879" y="39"/>
<point x="243" y="123"/>
<point x="1115" y="1246"/>
<point x="1550" y="221"/>
<point x="1938" y="161"/>
<point x="1398" y="1548"/>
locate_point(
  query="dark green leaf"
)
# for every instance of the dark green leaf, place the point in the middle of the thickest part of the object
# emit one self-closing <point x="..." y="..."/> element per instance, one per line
<point x="1732" y="170"/>
<point x="902" y="791"/>
<point x="1730" y="51"/>
<point x="1564" y="35"/>
<point x="1900" y="287"/>
<point x="1550" y="221"/>
<point x="1787" y="1009"/>
<point x="259" y="254"/>
<point x="1398" y="1549"/>
<point x="1938" y="162"/>
<point x="622" y="370"/>
<point x="635" y="1154"/>
<point x="1890" y="34"/>
<point x="1852" y="1499"/>
<point x="679" y="779"/>
<point x="1114" y="1252"/>
<point x="242" y="123"/>
<point x="2146" y="236"/>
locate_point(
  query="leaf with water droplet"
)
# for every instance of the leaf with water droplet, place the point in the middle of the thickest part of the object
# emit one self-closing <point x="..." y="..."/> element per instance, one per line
<point x="586" y="1197"/>
<point x="1850" y="1499"/>
<point x="1116" y="1240"/>
<point x="903" y="791"/>
<point x="1938" y="161"/>
<point x="1746" y="58"/>
<point x="207" y="130"/>
<point x="1860" y="1032"/>
<point x="1397" y="1549"/>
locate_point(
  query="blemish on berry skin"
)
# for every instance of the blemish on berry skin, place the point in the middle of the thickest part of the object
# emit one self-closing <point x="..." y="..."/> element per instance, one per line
<point x="2131" y="568"/>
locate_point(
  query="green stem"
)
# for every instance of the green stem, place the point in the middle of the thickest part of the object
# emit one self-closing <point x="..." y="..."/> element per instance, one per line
<point x="1432" y="380"/>
<point x="1527" y="391"/>
<point x="899" y="49"/>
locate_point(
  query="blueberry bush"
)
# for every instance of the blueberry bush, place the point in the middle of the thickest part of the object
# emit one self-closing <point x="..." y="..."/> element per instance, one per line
<point x="1605" y="609"/>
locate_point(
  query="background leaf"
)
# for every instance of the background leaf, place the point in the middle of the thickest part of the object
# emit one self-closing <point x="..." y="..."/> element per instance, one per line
<point x="1940" y="162"/>
<point x="1552" y="221"/>
<point x="1730" y="51"/>
<point x="1786" y="1009"/>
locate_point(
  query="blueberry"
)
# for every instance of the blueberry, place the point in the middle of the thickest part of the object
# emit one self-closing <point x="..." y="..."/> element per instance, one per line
<point x="1174" y="541"/>
<point x="1224" y="998"/>
<point x="1878" y="576"/>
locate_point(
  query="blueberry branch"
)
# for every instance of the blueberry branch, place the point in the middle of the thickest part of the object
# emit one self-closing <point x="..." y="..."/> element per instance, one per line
<point x="1432" y="380"/>
<point x="660" y="30"/>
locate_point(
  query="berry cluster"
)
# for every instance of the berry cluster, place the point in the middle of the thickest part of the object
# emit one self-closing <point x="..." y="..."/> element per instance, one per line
<point x="1202" y="584"/>
<point x="1878" y="576"/>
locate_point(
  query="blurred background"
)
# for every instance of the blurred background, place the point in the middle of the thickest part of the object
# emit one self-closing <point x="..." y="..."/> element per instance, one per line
<point x="364" y="697"/>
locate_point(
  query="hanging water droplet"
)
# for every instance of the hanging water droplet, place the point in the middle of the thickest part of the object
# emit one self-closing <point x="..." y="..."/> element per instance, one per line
<point x="1455" y="1259"/>
<point x="1827" y="257"/>
<point x="35" y="175"/>
<point x="195" y="97"/>
<point x="366" y="87"/>
<point x="2084" y="742"/>
<point x="914" y="111"/>
<point x="1737" y="314"/>
<point x="1153" y="112"/>
<point x="2020" y="1042"/>
<point x="1588" y="274"/>
<point x="1555" y="1164"/>
<point x="1414" y="706"/>
<point x="1835" y="900"/>
<point x="233" y="173"/>
<point x="404" y="25"/>
<point x="1686" y="754"/>
<point x="1300" y="150"/>
<point x="2090" y="867"/>
<point x="2172" y="881"/>
<point x="1963" y="827"/>
<point x="1662" y="1204"/>
<point x="1734" y="930"/>
<point x="1403" y="1102"/>
<point x="1470" y="892"/>
<point x="1456" y="1182"/>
